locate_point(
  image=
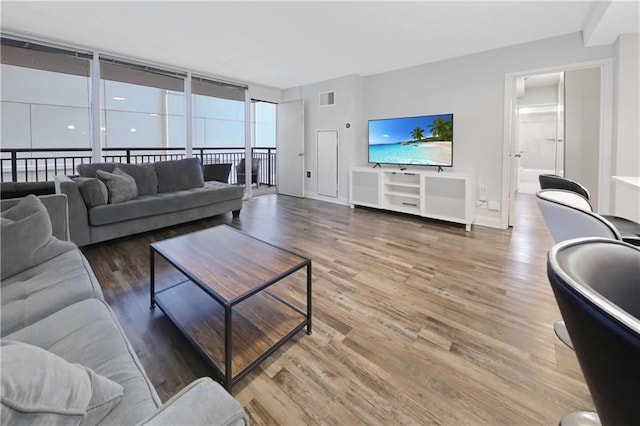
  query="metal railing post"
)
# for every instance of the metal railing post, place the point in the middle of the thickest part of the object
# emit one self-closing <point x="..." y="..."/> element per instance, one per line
<point x="14" y="166"/>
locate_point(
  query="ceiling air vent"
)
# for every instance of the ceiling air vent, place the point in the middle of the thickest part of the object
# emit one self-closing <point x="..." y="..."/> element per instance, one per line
<point x="327" y="98"/>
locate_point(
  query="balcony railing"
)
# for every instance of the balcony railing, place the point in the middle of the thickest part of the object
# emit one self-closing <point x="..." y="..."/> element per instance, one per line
<point x="38" y="165"/>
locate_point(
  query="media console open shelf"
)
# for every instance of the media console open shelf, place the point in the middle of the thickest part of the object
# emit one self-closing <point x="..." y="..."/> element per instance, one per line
<point x="444" y="196"/>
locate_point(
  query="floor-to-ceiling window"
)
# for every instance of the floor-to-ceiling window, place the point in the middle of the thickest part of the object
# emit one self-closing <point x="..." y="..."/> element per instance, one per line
<point x="131" y="112"/>
<point x="45" y="105"/>
<point x="141" y="108"/>
<point x="45" y="99"/>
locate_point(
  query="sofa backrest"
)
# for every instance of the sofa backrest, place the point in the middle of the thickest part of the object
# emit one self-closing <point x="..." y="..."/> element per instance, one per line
<point x="177" y="175"/>
<point x="89" y="169"/>
<point x="56" y="205"/>
<point x="161" y="176"/>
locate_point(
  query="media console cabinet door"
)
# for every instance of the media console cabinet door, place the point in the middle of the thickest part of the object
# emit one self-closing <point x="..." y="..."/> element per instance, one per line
<point x="365" y="187"/>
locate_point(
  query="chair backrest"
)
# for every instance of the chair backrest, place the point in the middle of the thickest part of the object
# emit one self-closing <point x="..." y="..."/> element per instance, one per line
<point x="255" y="164"/>
<point x="596" y="284"/>
<point x="568" y="215"/>
<point x="558" y="182"/>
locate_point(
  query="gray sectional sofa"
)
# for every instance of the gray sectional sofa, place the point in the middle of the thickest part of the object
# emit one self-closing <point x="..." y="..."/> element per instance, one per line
<point x="166" y="193"/>
<point x="65" y="357"/>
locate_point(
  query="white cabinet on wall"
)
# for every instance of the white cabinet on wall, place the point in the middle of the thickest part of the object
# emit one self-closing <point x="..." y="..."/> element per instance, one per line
<point x="444" y="196"/>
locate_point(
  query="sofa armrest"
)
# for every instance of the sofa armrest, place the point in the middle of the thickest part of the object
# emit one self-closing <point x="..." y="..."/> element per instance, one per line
<point x="56" y="205"/>
<point x="203" y="402"/>
<point x="78" y="215"/>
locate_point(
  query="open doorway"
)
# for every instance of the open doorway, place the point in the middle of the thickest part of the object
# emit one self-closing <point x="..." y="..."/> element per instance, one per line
<point x="556" y="122"/>
<point x="540" y="137"/>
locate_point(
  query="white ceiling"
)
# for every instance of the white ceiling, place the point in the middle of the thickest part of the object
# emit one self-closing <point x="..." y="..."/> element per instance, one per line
<point x="289" y="44"/>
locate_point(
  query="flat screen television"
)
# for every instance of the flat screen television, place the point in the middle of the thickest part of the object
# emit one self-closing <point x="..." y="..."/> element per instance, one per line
<point x="421" y="141"/>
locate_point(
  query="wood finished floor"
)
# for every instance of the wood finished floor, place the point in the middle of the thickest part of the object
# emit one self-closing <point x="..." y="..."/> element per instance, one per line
<point x="415" y="321"/>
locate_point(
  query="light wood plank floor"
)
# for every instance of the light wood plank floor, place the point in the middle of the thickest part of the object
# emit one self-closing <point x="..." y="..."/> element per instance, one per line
<point x="415" y="321"/>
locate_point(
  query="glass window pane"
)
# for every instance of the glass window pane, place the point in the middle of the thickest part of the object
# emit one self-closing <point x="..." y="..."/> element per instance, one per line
<point x="265" y="124"/>
<point x="142" y="116"/>
<point x="218" y="122"/>
<point x="44" y="109"/>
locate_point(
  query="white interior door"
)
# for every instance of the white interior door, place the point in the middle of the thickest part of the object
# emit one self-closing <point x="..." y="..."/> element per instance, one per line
<point x="327" y="163"/>
<point x="290" y="164"/>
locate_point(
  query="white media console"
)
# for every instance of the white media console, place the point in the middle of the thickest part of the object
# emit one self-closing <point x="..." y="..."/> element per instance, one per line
<point x="444" y="196"/>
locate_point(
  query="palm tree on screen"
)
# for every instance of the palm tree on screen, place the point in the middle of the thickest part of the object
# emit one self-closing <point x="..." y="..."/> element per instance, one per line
<point x="441" y="129"/>
<point x="417" y="134"/>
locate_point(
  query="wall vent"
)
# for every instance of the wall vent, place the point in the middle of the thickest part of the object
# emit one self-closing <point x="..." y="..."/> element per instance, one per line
<point x="327" y="98"/>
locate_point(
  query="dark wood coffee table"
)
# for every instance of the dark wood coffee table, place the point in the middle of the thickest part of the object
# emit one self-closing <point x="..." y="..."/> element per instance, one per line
<point x="226" y="306"/>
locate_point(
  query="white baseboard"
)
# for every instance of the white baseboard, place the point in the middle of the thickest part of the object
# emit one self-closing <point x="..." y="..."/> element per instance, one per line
<point x="490" y="222"/>
<point x="314" y="196"/>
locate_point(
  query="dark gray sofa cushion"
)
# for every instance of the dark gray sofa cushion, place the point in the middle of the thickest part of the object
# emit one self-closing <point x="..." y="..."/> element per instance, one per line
<point x="121" y="186"/>
<point x="90" y="169"/>
<point x="144" y="175"/>
<point x="177" y="175"/>
<point x="164" y="202"/>
<point x="93" y="191"/>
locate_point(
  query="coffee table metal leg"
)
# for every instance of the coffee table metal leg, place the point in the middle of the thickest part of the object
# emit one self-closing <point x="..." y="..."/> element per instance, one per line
<point x="309" y="297"/>
<point x="152" y="274"/>
<point x="227" y="348"/>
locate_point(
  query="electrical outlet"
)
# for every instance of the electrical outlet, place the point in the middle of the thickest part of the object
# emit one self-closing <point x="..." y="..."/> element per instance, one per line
<point x="308" y="174"/>
<point x="482" y="193"/>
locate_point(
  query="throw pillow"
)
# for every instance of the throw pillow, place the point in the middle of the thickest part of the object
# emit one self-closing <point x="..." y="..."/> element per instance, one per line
<point x="39" y="387"/>
<point x="121" y="186"/>
<point x="144" y="175"/>
<point x="93" y="191"/>
<point x="27" y="238"/>
<point x="177" y="175"/>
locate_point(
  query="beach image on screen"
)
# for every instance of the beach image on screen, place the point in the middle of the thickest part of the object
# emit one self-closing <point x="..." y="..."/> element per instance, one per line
<point x="413" y="140"/>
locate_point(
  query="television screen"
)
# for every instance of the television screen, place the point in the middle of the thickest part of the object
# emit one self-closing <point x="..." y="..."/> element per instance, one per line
<point x="424" y="141"/>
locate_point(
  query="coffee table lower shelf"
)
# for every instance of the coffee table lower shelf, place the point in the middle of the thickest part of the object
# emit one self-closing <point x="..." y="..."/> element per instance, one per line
<point x="260" y="325"/>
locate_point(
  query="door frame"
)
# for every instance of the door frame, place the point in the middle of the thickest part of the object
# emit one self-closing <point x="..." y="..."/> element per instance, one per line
<point x="606" y="132"/>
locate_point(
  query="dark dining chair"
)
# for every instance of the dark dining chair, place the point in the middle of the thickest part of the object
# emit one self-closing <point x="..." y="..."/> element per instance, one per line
<point x="255" y="172"/>
<point x="596" y="283"/>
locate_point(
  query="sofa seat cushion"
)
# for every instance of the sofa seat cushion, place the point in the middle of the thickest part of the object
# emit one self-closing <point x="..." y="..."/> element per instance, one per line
<point x="39" y="387"/>
<point x="164" y="202"/>
<point x="38" y="292"/>
<point x="89" y="334"/>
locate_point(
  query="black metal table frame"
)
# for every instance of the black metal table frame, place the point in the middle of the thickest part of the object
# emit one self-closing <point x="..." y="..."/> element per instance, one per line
<point x="228" y="380"/>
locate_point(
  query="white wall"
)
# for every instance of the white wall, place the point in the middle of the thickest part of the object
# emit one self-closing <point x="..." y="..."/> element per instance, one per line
<point x="347" y="109"/>
<point x="472" y="88"/>
<point x="582" y="128"/>
<point x="626" y="128"/>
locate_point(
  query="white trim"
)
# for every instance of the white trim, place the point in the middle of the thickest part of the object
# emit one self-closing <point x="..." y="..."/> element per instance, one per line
<point x="95" y="116"/>
<point x="606" y="126"/>
<point x="490" y="222"/>
<point x="248" y="154"/>
<point x="188" y="116"/>
<point x="338" y="200"/>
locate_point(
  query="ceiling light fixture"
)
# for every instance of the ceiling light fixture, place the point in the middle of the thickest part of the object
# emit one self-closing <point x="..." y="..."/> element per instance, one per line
<point x="119" y="98"/>
<point x="71" y="127"/>
<point x="133" y="130"/>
